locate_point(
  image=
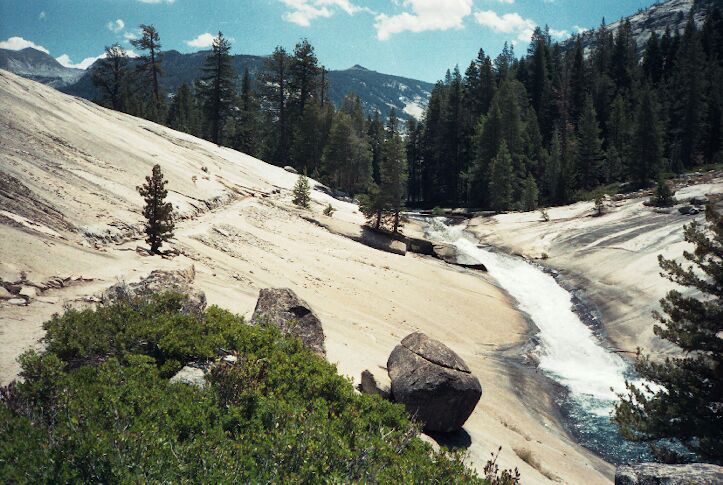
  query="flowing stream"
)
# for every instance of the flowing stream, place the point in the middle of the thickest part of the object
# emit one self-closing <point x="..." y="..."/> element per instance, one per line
<point x="569" y="351"/>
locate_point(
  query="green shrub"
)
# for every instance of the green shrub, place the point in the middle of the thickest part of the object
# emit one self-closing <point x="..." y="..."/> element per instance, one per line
<point x="97" y="407"/>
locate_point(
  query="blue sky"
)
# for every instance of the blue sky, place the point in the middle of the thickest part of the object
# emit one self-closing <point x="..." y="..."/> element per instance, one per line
<point x="413" y="38"/>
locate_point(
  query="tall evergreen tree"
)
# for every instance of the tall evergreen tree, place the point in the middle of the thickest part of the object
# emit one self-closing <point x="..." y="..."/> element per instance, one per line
<point x="182" y="113"/>
<point x="590" y="154"/>
<point x="375" y="132"/>
<point x="246" y="137"/>
<point x="394" y="170"/>
<point x="111" y="76"/>
<point x="647" y="146"/>
<point x="149" y="66"/>
<point x="275" y="94"/>
<point x="218" y="88"/>
<point x="500" y="180"/>
<point x="685" y="405"/>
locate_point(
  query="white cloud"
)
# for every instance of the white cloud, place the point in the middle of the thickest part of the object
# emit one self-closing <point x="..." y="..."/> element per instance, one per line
<point x="559" y="33"/>
<point x="509" y="23"/>
<point x="42" y="15"/>
<point x="66" y="61"/>
<point x="579" y="29"/>
<point x="130" y="36"/>
<point x="116" y="26"/>
<point x="302" y="12"/>
<point x="18" y="43"/>
<point x="203" y="40"/>
<point x="425" y="15"/>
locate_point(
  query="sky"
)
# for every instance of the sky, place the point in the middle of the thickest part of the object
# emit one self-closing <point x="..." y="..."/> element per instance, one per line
<point x="419" y="39"/>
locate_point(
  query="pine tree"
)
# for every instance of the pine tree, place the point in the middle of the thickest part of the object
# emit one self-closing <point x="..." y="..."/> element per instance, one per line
<point x="375" y="132"/>
<point x="500" y="180"/>
<point x="347" y="159"/>
<point x="149" y="65"/>
<point x="302" y="192"/>
<point x="248" y="119"/>
<point x="274" y="81"/>
<point x="218" y="88"/>
<point x="663" y="195"/>
<point x="647" y="146"/>
<point x="685" y="405"/>
<point x="372" y="205"/>
<point x="553" y="168"/>
<point x="394" y="170"/>
<point x="158" y="213"/>
<point x="111" y="76"/>
<point x="182" y="113"/>
<point x="530" y="195"/>
<point x="590" y="154"/>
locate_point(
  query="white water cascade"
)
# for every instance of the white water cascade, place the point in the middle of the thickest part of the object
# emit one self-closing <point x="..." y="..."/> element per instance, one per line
<point x="569" y="352"/>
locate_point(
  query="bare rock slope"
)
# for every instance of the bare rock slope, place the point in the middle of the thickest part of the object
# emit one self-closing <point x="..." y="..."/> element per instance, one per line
<point x="70" y="227"/>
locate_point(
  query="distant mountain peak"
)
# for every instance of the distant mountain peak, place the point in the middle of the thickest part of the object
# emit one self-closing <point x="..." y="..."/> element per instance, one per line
<point x="357" y="67"/>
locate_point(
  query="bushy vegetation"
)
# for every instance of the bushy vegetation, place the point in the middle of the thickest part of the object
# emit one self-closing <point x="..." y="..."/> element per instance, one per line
<point x="677" y="409"/>
<point x="97" y="406"/>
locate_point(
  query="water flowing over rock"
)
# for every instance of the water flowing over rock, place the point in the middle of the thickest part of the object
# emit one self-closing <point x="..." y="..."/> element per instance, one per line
<point x="449" y="253"/>
<point x="660" y="474"/>
<point x="283" y="308"/>
<point x="159" y="281"/>
<point x="433" y="383"/>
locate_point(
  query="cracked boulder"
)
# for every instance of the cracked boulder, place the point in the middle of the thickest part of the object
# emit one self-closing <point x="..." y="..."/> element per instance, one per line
<point x="292" y="315"/>
<point x="434" y="383"/>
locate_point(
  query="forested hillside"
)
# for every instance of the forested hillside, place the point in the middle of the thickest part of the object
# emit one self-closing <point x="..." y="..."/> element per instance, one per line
<point x="550" y="126"/>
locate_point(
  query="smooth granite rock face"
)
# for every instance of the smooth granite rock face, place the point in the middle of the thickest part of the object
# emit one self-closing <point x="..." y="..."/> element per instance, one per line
<point x="433" y="383"/>
<point x="293" y="316"/>
<point x="661" y="474"/>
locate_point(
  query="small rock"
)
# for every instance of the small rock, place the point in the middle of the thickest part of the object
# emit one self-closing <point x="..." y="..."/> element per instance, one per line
<point x="699" y="200"/>
<point x="290" y="169"/>
<point x="193" y="376"/>
<point x="688" y="210"/>
<point x="660" y="474"/>
<point x="29" y="292"/>
<point x="5" y="294"/>
<point x="375" y="384"/>
<point x="18" y="301"/>
<point x="230" y="359"/>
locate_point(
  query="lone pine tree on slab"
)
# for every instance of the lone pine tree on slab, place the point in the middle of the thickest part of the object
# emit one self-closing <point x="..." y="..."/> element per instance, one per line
<point x="158" y="213"/>
<point x="302" y="192"/>
<point x="685" y="404"/>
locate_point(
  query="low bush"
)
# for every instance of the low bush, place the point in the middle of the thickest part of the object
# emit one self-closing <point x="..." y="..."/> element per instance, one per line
<point x="97" y="406"/>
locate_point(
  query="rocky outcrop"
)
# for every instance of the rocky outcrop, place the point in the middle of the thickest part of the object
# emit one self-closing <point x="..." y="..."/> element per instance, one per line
<point x="688" y="210"/>
<point x="433" y="383"/>
<point x="660" y="474"/>
<point x="369" y="237"/>
<point x="159" y="281"/>
<point x="292" y="315"/>
<point x="450" y="254"/>
<point x="376" y="383"/>
<point x="290" y="169"/>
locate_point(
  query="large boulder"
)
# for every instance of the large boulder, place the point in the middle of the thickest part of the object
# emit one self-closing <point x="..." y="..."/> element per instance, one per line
<point x="660" y="474"/>
<point x="433" y="383"/>
<point x="292" y="315"/>
<point x="192" y="376"/>
<point x="180" y="281"/>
